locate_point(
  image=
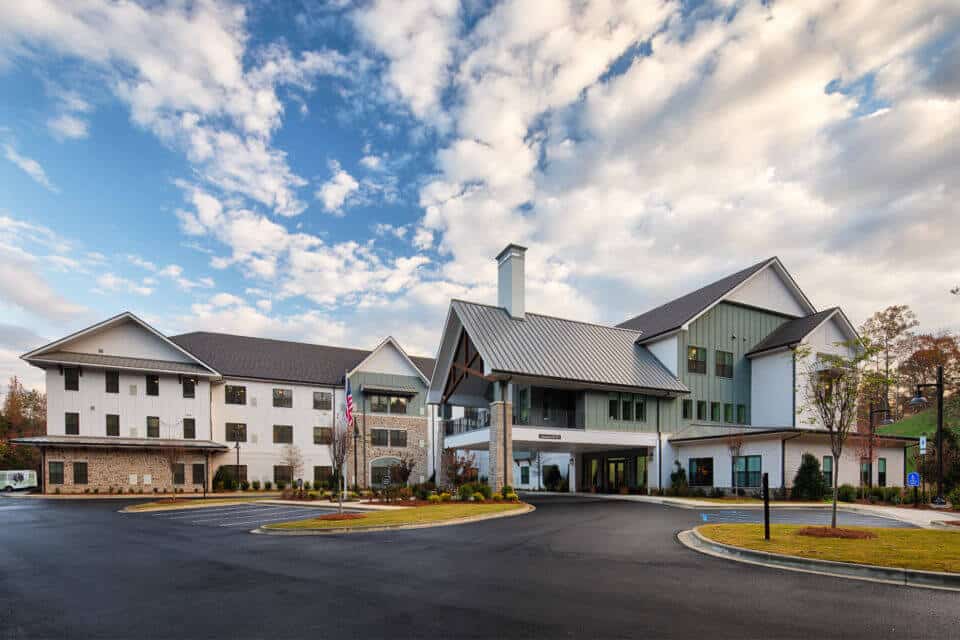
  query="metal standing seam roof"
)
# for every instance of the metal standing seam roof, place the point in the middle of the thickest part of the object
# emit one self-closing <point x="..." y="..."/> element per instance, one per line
<point x="545" y="346"/>
<point x="672" y="315"/>
<point x="120" y="362"/>
<point x="280" y="360"/>
<point x="792" y="331"/>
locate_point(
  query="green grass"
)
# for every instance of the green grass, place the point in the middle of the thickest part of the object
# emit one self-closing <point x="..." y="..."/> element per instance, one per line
<point x="912" y="425"/>
<point x="922" y="549"/>
<point x="433" y="514"/>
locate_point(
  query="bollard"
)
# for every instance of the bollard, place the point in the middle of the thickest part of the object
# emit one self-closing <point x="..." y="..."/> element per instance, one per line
<point x="766" y="507"/>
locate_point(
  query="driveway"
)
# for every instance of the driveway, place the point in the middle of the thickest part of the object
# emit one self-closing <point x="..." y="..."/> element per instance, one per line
<point x="242" y="516"/>
<point x="575" y="567"/>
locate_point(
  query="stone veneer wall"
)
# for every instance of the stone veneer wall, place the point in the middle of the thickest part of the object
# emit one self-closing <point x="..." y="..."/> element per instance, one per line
<point x="416" y="428"/>
<point x="108" y="468"/>
<point x="500" y="474"/>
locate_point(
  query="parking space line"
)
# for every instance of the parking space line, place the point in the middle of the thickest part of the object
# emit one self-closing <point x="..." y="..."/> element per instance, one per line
<point x="196" y="512"/>
<point x="250" y="513"/>
<point x="295" y="515"/>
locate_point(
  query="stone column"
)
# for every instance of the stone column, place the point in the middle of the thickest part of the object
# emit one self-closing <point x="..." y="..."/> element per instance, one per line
<point x="501" y="445"/>
<point x="572" y="473"/>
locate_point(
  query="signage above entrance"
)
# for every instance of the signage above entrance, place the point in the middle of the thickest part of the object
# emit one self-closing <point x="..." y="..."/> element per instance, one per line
<point x="549" y="436"/>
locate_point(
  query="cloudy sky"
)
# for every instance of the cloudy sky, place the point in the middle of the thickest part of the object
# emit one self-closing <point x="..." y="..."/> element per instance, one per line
<point x="333" y="172"/>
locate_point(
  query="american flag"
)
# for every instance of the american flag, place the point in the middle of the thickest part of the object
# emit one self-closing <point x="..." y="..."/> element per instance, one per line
<point x="348" y="412"/>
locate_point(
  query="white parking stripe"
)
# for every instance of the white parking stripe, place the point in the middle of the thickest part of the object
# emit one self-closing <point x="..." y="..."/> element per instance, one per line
<point x="302" y="515"/>
<point x="241" y="515"/>
<point x="193" y="513"/>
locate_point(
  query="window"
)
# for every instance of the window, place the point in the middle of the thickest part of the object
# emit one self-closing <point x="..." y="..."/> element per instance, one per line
<point x="71" y="379"/>
<point x="696" y="360"/>
<point x="881" y="472"/>
<point x="153" y="427"/>
<point x="687" y="409"/>
<point x="525" y="474"/>
<point x="640" y="409"/>
<point x="380" y="470"/>
<point x="79" y="473"/>
<point x="741" y="414"/>
<point x="322" y="400"/>
<point x="189" y="428"/>
<point x="282" y="473"/>
<point x="379" y="404"/>
<point x="153" y="385"/>
<point x="866" y="472"/>
<point x="626" y="406"/>
<point x="112" y="382"/>
<point x="71" y="424"/>
<point x="701" y="472"/>
<point x="113" y="425"/>
<point x="378" y="437"/>
<point x="322" y="435"/>
<point x="179" y="471"/>
<point x="189" y="389"/>
<point x="613" y="410"/>
<point x="234" y="394"/>
<point x="728" y="412"/>
<point x="701" y="409"/>
<point x="828" y="470"/>
<point x="283" y="434"/>
<point x="746" y="471"/>
<point x="398" y="438"/>
<point x="398" y="404"/>
<point x="724" y="364"/>
<point x="199" y="473"/>
<point x="283" y="398"/>
<point x="826" y="380"/>
<point x="56" y="472"/>
<point x="715" y="411"/>
<point x="322" y="475"/>
<point x="236" y="432"/>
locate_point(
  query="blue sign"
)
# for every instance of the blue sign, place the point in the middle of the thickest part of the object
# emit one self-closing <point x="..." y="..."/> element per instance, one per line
<point x="913" y="479"/>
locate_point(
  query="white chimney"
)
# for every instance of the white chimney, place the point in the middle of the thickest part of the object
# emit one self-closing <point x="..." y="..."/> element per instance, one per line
<point x="510" y="280"/>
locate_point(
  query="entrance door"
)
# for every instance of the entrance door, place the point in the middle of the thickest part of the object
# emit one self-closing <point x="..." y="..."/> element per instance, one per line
<point x="616" y="474"/>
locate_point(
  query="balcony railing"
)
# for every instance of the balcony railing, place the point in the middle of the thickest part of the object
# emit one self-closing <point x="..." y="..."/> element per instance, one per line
<point x="551" y="418"/>
<point x="456" y="426"/>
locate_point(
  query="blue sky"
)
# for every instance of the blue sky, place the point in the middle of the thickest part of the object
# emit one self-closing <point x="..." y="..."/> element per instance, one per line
<point x="335" y="171"/>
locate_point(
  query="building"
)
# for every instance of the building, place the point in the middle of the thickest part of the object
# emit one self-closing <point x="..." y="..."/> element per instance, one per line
<point x="129" y="408"/>
<point x="711" y="383"/>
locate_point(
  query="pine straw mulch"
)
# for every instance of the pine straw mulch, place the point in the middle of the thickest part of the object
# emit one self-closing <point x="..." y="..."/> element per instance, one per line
<point x="830" y="532"/>
<point x="341" y="516"/>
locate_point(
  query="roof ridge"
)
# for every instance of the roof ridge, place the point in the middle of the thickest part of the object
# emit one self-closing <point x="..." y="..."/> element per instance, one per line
<point x="545" y="315"/>
<point x="359" y="350"/>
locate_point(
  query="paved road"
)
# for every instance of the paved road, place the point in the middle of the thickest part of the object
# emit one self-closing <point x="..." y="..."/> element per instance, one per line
<point x="241" y="516"/>
<point x="575" y="567"/>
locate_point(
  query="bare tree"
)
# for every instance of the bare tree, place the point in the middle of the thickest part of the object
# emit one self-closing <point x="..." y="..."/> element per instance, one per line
<point x="734" y="446"/>
<point x="401" y="472"/>
<point x="339" y="449"/>
<point x="290" y="456"/>
<point x="174" y="456"/>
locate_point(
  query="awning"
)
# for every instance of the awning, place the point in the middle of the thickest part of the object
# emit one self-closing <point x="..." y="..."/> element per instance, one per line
<point x="106" y="442"/>
<point x="402" y="390"/>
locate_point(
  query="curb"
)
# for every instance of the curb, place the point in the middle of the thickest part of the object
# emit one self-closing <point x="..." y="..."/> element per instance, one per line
<point x="693" y="539"/>
<point x="400" y="527"/>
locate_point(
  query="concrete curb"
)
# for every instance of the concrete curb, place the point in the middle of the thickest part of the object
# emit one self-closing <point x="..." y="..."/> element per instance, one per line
<point x="693" y="539"/>
<point x="400" y="527"/>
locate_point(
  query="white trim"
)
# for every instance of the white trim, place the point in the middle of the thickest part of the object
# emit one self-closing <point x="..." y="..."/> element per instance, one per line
<point x="126" y="315"/>
<point x="111" y="367"/>
<point x="391" y="340"/>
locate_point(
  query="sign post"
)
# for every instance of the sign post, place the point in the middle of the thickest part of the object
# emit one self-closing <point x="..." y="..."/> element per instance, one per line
<point x="766" y="507"/>
<point x="913" y="480"/>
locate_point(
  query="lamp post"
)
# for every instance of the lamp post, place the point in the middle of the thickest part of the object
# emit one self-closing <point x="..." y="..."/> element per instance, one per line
<point x="919" y="401"/>
<point x="236" y="470"/>
<point x="356" y="439"/>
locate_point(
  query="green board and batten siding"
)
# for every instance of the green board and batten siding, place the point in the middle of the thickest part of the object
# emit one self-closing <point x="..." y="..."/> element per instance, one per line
<point x="416" y="404"/>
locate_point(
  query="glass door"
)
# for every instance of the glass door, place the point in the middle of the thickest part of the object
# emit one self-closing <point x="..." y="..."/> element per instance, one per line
<point x="616" y="474"/>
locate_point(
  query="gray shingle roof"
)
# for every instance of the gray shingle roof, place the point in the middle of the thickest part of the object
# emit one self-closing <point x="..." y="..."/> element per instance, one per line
<point x="544" y="346"/>
<point x="105" y="441"/>
<point x="792" y="331"/>
<point x="119" y="362"/>
<point x="672" y="315"/>
<point x="281" y="360"/>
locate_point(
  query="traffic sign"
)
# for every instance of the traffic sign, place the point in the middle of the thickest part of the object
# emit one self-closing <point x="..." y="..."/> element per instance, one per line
<point x="923" y="445"/>
<point x="913" y="479"/>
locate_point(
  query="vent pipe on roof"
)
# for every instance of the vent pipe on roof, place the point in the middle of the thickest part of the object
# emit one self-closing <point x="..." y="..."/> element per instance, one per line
<point x="510" y="280"/>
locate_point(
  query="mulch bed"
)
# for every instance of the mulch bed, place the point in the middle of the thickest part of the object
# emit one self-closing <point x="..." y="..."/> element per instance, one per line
<point x="829" y="532"/>
<point x="427" y="503"/>
<point x="953" y="523"/>
<point x="342" y="516"/>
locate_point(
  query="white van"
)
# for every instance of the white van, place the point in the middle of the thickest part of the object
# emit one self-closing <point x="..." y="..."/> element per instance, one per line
<point x="11" y="480"/>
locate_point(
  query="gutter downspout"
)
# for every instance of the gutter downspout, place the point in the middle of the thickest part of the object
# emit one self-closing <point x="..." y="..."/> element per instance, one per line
<point x="659" y="450"/>
<point x="793" y="396"/>
<point x="503" y="425"/>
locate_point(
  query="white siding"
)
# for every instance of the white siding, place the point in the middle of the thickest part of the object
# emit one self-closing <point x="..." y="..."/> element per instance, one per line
<point x="127" y="339"/>
<point x="849" y="464"/>
<point x="719" y="450"/>
<point x="93" y="404"/>
<point x="667" y="352"/>
<point x="828" y="338"/>
<point x="388" y="360"/>
<point x="771" y="390"/>
<point x="767" y="290"/>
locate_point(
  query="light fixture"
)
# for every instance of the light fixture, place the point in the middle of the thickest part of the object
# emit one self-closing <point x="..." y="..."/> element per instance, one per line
<point x="918" y="401"/>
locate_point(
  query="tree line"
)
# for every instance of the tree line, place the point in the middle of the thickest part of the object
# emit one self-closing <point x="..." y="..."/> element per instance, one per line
<point x="24" y="413"/>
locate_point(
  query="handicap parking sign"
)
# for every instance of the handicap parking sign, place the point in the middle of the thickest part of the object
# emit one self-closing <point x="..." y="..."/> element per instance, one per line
<point x="913" y="479"/>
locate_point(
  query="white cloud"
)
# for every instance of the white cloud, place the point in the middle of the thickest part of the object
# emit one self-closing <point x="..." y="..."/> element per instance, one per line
<point x="29" y="166"/>
<point x="114" y="283"/>
<point x="371" y="162"/>
<point x="68" y="126"/>
<point x="337" y="190"/>
<point x="423" y="239"/>
<point x="397" y="231"/>
<point x="70" y="121"/>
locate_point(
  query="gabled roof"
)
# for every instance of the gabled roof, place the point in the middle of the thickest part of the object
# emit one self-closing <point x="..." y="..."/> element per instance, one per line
<point x="280" y="360"/>
<point x="391" y="341"/>
<point x="549" y="347"/>
<point x="120" y="362"/>
<point x="44" y="352"/>
<point x="793" y="332"/>
<point x="675" y="314"/>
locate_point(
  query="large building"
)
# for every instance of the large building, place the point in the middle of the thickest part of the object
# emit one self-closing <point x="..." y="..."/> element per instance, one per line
<point x="129" y="408"/>
<point x="712" y="383"/>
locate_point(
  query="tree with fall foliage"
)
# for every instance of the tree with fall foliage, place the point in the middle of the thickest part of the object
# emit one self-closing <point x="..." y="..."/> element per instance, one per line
<point x="891" y="332"/>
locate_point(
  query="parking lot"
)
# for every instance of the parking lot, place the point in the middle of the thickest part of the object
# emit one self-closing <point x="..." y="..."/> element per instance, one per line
<point x="249" y="516"/>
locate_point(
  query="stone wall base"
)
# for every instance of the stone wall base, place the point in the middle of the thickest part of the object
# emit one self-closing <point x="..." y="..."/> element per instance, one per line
<point x="113" y="471"/>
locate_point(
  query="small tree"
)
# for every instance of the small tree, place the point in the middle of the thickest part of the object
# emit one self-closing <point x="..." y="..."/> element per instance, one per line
<point x="290" y="456"/>
<point x="734" y="446"/>
<point x="808" y="483"/>
<point x="400" y="473"/>
<point x="457" y="468"/>
<point x="339" y="449"/>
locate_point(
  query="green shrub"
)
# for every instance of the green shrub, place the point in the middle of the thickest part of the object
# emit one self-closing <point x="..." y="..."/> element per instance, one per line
<point x="267" y="485"/>
<point x="678" y="479"/>
<point x="878" y="494"/>
<point x="306" y="485"/>
<point x="244" y="485"/>
<point x="507" y="490"/>
<point x="478" y="497"/>
<point x="256" y="485"/>
<point x="465" y="492"/>
<point x="808" y="483"/>
<point x="954" y="497"/>
<point x="312" y="495"/>
<point x="434" y="498"/>
<point x="846" y="493"/>
<point x="892" y="494"/>
<point x="486" y="491"/>
<point x="512" y="497"/>
<point x="445" y="497"/>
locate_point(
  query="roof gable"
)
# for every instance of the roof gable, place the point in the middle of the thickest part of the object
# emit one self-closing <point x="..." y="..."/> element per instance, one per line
<point x="389" y="357"/>
<point x="793" y="332"/>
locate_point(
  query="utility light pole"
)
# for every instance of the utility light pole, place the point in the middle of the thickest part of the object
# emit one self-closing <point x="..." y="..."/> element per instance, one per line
<point x="919" y="401"/>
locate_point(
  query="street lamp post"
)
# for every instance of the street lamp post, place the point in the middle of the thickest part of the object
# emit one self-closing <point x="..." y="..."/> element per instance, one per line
<point x="356" y="439"/>
<point x="920" y="401"/>
<point x="236" y="470"/>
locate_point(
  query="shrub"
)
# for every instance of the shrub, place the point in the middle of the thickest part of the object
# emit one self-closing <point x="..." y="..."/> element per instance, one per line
<point x="96" y="490"/>
<point x="678" y="479"/>
<point x="306" y="485"/>
<point x="256" y="485"/>
<point x="244" y="485"/>
<point x="846" y="493"/>
<point x="507" y="490"/>
<point x="892" y="494"/>
<point x="86" y="490"/>
<point x="485" y="491"/>
<point x="878" y="493"/>
<point x="281" y="486"/>
<point x="551" y="477"/>
<point x="512" y="497"/>
<point x="434" y="499"/>
<point x="312" y="495"/>
<point x="954" y="497"/>
<point x="445" y="497"/>
<point x="267" y="485"/>
<point x="478" y="497"/>
<point x="808" y="483"/>
<point x="465" y="492"/>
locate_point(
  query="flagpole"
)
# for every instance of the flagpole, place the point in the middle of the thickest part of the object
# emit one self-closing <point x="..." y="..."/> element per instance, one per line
<point x="343" y="470"/>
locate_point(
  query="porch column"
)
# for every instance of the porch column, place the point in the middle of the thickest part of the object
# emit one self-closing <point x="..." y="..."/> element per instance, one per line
<point x="572" y="473"/>
<point x="501" y="438"/>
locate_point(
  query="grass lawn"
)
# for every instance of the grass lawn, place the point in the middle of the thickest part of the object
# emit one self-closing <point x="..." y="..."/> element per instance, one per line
<point x="912" y="425"/>
<point x="192" y="503"/>
<point x="748" y="500"/>
<point x="923" y="549"/>
<point x="433" y="514"/>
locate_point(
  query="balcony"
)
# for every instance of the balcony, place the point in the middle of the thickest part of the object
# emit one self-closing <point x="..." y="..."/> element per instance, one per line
<point x="456" y="426"/>
<point x="549" y="418"/>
